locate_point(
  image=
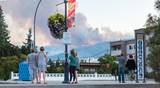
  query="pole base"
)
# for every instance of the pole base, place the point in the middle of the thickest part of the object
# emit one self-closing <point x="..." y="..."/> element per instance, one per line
<point x="66" y="82"/>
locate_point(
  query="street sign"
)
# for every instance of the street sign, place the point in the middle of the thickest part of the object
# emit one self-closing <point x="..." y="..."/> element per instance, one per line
<point x="67" y="38"/>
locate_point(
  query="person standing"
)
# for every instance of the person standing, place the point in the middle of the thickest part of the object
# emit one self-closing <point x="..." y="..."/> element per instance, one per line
<point x="32" y="62"/>
<point x="121" y="68"/>
<point x="131" y="66"/>
<point x="73" y="65"/>
<point x="42" y="64"/>
<point x="77" y="67"/>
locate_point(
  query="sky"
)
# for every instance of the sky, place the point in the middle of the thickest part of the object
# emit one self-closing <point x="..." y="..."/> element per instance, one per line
<point x="118" y="15"/>
<point x="96" y="20"/>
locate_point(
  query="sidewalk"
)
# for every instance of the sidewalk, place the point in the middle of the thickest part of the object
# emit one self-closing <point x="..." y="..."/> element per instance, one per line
<point x="82" y="82"/>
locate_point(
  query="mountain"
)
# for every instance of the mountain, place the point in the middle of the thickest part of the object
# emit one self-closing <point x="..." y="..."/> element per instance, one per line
<point x="92" y="51"/>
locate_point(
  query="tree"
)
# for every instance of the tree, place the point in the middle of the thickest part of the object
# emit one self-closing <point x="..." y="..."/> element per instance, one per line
<point x="7" y="65"/>
<point x="25" y="49"/>
<point x="56" y="23"/>
<point x="108" y="64"/>
<point x="154" y="43"/>
<point x="4" y="36"/>
<point x="52" y="67"/>
<point x="6" y="48"/>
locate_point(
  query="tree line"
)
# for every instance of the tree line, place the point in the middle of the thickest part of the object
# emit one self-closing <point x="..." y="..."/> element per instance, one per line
<point x="10" y="55"/>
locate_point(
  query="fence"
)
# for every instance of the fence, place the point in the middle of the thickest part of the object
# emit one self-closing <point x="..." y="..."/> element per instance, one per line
<point x="60" y="76"/>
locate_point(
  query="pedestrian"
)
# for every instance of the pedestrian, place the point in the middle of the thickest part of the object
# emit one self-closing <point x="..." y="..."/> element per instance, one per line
<point x="121" y="68"/>
<point x="32" y="61"/>
<point x="42" y="65"/>
<point x="77" y="67"/>
<point x="73" y="65"/>
<point x="131" y="66"/>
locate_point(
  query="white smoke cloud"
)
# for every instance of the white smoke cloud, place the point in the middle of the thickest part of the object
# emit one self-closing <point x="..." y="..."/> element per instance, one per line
<point x="83" y="34"/>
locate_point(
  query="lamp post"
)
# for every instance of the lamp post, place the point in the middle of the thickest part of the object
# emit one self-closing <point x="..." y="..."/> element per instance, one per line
<point x="66" y="67"/>
<point x="34" y="27"/>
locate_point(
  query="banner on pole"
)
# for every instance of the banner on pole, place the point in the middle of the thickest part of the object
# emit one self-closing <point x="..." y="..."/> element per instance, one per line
<point x="140" y="58"/>
<point x="71" y="13"/>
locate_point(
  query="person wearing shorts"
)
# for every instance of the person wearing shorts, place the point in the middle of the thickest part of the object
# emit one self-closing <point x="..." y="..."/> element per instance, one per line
<point x="31" y="59"/>
<point x="42" y="64"/>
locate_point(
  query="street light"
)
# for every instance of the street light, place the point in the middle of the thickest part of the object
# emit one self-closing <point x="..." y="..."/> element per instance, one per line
<point x="34" y="27"/>
<point x="66" y="66"/>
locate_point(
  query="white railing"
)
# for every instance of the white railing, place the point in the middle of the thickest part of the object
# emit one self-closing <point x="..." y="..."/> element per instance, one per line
<point x="60" y="76"/>
<point x="116" y="52"/>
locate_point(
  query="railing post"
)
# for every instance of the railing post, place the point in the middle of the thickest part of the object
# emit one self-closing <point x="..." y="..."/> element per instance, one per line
<point x="12" y="75"/>
<point x="96" y="74"/>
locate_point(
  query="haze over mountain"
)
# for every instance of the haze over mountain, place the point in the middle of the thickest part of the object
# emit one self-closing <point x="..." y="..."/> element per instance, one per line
<point x="92" y="51"/>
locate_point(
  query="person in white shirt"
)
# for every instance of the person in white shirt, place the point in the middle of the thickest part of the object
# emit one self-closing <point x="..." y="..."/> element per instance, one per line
<point x="42" y="64"/>
<point x="31" y="59"/>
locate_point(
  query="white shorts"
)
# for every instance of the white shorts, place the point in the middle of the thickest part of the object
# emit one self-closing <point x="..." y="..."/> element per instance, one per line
<point x="42" y="68"/>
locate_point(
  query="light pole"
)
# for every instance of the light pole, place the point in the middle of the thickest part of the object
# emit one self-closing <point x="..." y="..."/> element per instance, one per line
<point x="34" y="27"/>
<point x="66" y="66"/>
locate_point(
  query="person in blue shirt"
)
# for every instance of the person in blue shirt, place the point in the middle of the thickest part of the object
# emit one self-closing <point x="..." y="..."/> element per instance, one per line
<point x="73" y="65"/>
<point x="121" y="68"/>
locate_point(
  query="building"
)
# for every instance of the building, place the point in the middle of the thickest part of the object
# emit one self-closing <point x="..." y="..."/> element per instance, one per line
<point x="127" y="47"/>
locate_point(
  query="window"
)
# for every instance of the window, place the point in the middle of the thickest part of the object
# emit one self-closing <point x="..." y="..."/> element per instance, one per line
<point x="130" y="47"/>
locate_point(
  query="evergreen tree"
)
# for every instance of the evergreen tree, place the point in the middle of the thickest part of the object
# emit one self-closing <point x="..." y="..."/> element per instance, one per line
<point x="4" y="36"/>
<point x="25" y="49"/>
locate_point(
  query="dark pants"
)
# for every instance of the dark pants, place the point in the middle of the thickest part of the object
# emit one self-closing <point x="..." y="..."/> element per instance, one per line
<point x="121" y="74"/>
<point x="72" y="73"/>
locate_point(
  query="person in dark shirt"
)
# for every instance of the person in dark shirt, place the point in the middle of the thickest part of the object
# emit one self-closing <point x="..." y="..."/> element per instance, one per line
<point x="131" y="66"/>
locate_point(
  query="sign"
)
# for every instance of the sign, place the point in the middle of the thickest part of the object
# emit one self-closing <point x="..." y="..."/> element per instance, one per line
<point x="140" y="59"/>
<point x="66" y="37"/>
